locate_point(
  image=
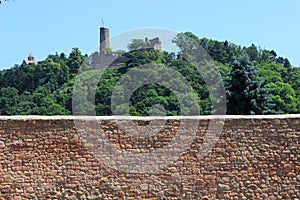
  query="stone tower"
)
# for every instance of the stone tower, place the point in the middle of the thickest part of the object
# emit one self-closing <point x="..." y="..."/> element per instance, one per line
<point x="104" y="39"/>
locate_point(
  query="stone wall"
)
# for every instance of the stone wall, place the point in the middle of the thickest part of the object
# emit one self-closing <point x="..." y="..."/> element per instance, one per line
<point x="256" y="157"/>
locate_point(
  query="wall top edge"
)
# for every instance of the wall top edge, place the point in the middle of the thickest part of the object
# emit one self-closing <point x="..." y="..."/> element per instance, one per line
<point x="202" y="117"/>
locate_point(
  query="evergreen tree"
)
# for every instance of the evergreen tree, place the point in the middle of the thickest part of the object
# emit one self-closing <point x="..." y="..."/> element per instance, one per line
<point x="246" y="95"/>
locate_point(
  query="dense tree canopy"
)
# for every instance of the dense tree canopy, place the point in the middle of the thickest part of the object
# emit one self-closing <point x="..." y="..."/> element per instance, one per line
<point x="257" y="81"/>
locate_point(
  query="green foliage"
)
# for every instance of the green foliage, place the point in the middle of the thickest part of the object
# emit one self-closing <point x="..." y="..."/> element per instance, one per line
<point x="9" y="98"/>
<point x="136" y="44"/>
<point x="246" y="95"/>
<point x="186" y="42"/>
<point x="142" y="56"/>
<point x="159" y="85"/>
<point x="75" y="60"/>
<point x="252" y="52"/>
<point x="294" y="79"/>
<point x="271" y="72"/>
<point x="34" y="89"/>
<point x="257" y="81"/>
<point x="284" y="97"/>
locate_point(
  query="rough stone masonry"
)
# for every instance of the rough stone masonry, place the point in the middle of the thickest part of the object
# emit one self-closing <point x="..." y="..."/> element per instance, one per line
<point x="256" y="157"/>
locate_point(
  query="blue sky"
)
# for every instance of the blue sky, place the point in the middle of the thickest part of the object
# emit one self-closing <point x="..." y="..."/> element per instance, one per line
<point x="44" y="27"/>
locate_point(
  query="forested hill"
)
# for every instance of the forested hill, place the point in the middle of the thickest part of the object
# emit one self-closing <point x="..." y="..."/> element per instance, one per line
<point x="257" y="81"/>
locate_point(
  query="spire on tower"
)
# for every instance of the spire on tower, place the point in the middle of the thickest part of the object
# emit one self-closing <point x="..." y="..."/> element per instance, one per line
<point x="102" y="22"/>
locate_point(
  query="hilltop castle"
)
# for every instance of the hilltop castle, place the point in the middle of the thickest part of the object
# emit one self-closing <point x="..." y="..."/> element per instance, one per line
<point x="106" y="57"/>
<point x="151" y="44"/>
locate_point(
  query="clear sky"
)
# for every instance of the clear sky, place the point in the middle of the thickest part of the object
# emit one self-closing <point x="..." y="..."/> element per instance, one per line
<point x="44" y="27"/>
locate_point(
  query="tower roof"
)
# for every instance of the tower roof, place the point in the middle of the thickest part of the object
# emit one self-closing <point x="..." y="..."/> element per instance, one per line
<point x="30" y="56"/>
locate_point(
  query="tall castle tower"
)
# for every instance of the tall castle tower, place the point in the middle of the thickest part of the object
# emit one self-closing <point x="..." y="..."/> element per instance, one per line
<point x="104" y="39"/>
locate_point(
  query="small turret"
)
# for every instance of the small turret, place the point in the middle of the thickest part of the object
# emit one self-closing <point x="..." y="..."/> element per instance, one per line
<point x="30" y="60"/>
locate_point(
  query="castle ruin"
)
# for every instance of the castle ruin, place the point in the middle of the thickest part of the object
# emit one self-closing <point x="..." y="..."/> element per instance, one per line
<point x="154" y="43"/>
<point x="105" y="57"/>
<point x="151" y="44"/>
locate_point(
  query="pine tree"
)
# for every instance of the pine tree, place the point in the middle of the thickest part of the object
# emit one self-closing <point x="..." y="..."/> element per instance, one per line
<point x="245" y="92"/>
